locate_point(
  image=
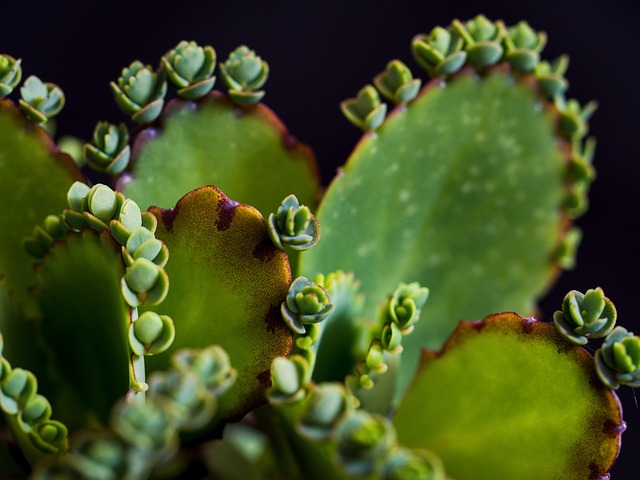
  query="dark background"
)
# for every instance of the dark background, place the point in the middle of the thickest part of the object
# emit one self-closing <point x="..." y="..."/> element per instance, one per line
<point x="323" y="52"/>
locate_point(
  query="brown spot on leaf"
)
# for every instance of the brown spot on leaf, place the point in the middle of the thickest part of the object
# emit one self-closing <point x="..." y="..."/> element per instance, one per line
<point x="226" y="211"/>
<point x="273" y="319"/>
<point x="264" y="378"/>
<point x="168" y="217"/>
<point x="264" y="251"/>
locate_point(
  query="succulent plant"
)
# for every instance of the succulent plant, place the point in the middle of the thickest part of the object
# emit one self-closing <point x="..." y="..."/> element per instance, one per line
<point x="10" y="74"/>
<point x="179" y="319"/>
<point x="189" y="67"/>
<point x="244" y="73"/>
<point x="40" y="101"/>
<point x="139" y="92"/>
<point x="109" y="152"/>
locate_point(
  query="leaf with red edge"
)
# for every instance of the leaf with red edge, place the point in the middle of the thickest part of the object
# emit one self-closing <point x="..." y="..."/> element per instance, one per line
<point x="508" y="398"/>
<point x="227" y="283"/>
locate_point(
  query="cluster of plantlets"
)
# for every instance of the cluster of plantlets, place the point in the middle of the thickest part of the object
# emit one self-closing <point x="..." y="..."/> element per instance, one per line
<point x="307" y="346"/>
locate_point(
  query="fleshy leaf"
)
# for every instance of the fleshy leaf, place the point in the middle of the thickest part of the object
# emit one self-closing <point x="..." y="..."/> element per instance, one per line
<point x="34" y="179"/>
<point x="227" y="283"/>
<point x="479" y="156"/>
<point x="246" y="152"/>
<point x="507" y="397"/>
<point x="85" y="323"/>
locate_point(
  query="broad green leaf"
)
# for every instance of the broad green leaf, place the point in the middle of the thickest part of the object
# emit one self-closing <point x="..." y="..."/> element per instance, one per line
<point x="227" y="283"/>
<point x="244" y="151"/>
<point x="461" y="191"/>
<point x="34" y="179"/>
<point x="507" y="397"/>
<point x="84" y="326"/>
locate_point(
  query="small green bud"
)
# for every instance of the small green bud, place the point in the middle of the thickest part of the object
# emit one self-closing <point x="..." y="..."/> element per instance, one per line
<point x="35" y="410"/>
<point x="363" y="440"/>
<point x="327" y="406"/>
<point x="139" y="92"/>
<point x="406" y="304"/>
<point x="50" y="436"/>
<point x="98" y="455"/>
<point x="365" y="111"/>
<point x="482" y="40"/>
<point x="551" y="76"/>
<point x="396" y="83"/>
<point x="144" y="283"/>
<point x="293" y="225"/>
<point x="109" y="152"/>
<point x="244" y="73"/>
<point x="102" y="202"/>
<point x="404" y="464"/>
<point x="40" y="101"/>
<point x="17" y="387"/>
<point x="523" y="46"/>
<point x="618" y="359"/>
<point x="439" y="53"/>
<point x="189" y="67"/>
<point x="151" y="334"/>
<point x="212" y="365"/>
<point x="10" y="74"/>
<point x="184" y="397"/>
<point x="574" y="118"/>
<point x="289" y="378"/>
<point x="306" y="302"/>
<point x="584" y="316"/>
<point x="145" y="426"/>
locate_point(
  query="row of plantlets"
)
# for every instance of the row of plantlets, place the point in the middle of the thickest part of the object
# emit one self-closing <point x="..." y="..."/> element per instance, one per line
<point x="288" y="344"/>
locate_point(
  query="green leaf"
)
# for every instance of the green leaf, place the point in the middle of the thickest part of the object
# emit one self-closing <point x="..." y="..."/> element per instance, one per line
<point x="34" y="179"/>
<point x="227" y="283"/>
<point x="507" y="397"/>
<point x="84" y="325"/>
<point x="461" y="192"/>
<point x="246" y="152"/>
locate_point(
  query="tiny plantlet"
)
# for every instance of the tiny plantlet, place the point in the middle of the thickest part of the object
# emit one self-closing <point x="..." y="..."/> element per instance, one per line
<point x="181" y="298"/>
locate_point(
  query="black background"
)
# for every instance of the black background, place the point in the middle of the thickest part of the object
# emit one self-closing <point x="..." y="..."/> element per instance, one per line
<point x="323" y="52"/>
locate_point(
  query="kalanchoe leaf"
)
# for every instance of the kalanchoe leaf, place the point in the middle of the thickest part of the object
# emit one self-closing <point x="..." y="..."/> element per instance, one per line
<point x="406" y="304"/>
<point x="439" y="53"/>
<point x="16" y="388"/>
<point x="584" y="316"/>
<point x="184" y="397"/>
<point x="404" y="464"/>
<point x="551" y="76"/>
<point x="110" y="152"/>
<point x="151" y="333"/>
<point x="211" y="365"/>
<point x="365" y="111"/>
<point x="482" y="40"/>
<point x="139" y="92"/>
<point x="10" y="74"/>
<point x="327" y="406"/>
<point x="574" y="118"/>
<point x="189" y="67"/>
<point x="523" y="46"/>
<point x="293" y="225"/>
<point x="289" y="378"/>
<point x="618" y="359"/>
<point x="363" y="440"/>
<point x="101" y="202"/>
<point x="98" y="455"/>
<point x="145" y="426"/>
<point x="306" y="302"/>
<point x="50" y="436"/>
<point x="565" y="255"/>
<point x="40" y="101"/>
<point x="396" y="83"/>
<point x="244" y="73"/>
